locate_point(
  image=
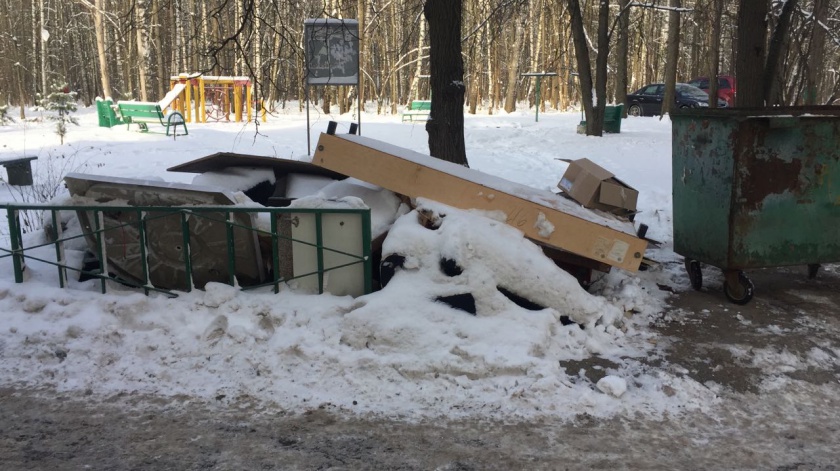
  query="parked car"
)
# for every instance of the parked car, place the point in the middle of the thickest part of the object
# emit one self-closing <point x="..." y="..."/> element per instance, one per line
<point x="647" y="101"/>
<point x="727" y="87"/>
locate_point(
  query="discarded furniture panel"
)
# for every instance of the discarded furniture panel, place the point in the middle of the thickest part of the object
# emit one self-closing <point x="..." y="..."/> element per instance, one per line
<point x="289" y="174"/>
<point x="542" y="216"/>
<point x="344" y="235"/>
<point x="755" y="188"/>
<point x="208" y="232"/>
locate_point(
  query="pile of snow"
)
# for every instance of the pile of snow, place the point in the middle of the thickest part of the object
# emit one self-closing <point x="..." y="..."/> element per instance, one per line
<point x="396" y="352"/>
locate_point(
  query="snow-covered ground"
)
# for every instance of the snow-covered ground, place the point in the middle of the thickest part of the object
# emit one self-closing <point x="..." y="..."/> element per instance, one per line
<point x="396" y="352"/>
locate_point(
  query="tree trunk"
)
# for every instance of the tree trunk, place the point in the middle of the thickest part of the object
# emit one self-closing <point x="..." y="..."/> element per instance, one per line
<point x="99" y="28"/>
<point x="752" y="52"/>
<point x="513" y="66"/>
<point x="142" y="48"/>
<point x="596" y="126"/>
<point x="44" y="39"/>
<point x="714" y="53"/>
<point x="775" y="54"/>
<point x="672" y="57"/>
<point x="622" y="53"/>
<point x="584" y="67"/>
<point x="414" y="88"/>
<point x="446" y="120"/>
<point x="813" y="89"/>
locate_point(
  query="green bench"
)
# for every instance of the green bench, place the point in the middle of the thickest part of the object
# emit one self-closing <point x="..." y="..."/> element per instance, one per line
<point x="419" y="109"/>
<point x="107" y="116"/>
<point x="144" y="113"/>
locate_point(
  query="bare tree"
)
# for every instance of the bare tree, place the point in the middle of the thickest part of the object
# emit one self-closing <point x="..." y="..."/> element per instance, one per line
<point x="672" y="57"/>
<point x="446" y="66"/>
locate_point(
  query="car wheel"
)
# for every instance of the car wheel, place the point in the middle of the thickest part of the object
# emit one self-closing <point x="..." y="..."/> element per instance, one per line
<point x="635" y="110"/>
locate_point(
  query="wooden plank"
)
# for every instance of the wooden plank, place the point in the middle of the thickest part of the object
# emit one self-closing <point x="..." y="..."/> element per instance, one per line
<point x="541" y="215"/>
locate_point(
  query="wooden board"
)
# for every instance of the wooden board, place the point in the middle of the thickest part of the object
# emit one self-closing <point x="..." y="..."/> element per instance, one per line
<point x="594" y="235"/>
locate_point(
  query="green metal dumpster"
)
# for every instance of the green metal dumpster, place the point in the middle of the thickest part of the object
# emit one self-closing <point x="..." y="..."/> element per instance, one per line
<point x="755" y="188"/>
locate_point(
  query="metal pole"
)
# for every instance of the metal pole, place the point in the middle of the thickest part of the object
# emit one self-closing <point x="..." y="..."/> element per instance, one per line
<point x="308" y="143"/>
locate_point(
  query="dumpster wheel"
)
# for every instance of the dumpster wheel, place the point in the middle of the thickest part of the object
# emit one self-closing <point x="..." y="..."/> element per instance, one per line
<point x="737" y="287"/>
<point x="695" y="275"/>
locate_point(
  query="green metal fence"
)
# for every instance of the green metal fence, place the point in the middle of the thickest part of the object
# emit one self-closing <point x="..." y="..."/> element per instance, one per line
<point x="231" y="216"/>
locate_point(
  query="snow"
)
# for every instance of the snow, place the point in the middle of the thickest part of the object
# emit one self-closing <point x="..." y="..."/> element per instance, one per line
<point x="397" y="352"/>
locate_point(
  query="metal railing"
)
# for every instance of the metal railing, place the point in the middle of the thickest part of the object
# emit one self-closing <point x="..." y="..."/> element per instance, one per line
<point x="98" y="228"/>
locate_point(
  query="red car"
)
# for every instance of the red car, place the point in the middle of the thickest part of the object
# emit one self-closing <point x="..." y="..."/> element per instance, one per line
<point x="727" y="87"/>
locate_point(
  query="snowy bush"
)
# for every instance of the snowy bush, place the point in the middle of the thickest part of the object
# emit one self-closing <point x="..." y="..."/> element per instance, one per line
<point x="4" y="115"/>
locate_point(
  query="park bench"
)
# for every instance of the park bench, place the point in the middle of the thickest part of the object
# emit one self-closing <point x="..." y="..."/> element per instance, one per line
<point x="419" y="109"/>
<point x="145" y="113"/>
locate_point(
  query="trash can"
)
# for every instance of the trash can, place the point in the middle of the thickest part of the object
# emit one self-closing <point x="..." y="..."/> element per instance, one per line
<point x="612" y="118"/>
<point x="755" y="188"/>
<point x="19" y="171"/>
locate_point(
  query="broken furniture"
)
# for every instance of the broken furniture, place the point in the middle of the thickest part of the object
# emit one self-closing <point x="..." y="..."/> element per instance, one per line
<point x="290" y="175"/>
<point x="122" y="239"/>
<point x="755" y="188"/>
<point x="19" y="170"/>
<point x="545" y="218"/>
<point x="167" y="236"/>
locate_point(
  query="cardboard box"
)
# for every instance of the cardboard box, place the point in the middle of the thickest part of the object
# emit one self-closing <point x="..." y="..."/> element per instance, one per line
<point x="595" y="187"/>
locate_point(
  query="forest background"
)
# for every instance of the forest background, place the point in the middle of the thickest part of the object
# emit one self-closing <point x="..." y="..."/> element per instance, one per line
<point x="130" y="49"/>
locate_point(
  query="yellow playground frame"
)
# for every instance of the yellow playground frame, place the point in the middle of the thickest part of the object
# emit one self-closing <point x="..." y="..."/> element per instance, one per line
<point x="203" y="98"/>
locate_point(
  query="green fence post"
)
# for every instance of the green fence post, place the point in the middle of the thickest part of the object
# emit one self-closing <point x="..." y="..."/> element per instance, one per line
<point x="319" y="249"/>
<point x="99" y="228"/>
<point x="57" y="233"/>
<point x="231" y="250"/>
<point x="17" y="244"/>
<point x="144" y="256"/>
<point x="366" y="243"/>
<point x="185" y="233"/>
<point x="275" y="253"/>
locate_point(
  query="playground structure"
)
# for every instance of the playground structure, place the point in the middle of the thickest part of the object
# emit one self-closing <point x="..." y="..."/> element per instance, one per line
<point x="203" y="98"/>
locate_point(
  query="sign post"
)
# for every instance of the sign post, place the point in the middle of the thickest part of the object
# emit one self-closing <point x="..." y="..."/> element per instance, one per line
<point x="331" y="48"/>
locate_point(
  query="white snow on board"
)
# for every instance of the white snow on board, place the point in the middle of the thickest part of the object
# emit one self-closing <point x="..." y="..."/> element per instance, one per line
<point x="492" y="182"/>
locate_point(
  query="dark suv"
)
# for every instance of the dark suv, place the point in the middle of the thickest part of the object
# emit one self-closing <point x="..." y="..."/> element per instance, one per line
<point x="726" y="87"/>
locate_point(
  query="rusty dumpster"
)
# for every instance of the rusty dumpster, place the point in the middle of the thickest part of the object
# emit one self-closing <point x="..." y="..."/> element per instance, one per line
<point x="755" y="188"/>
